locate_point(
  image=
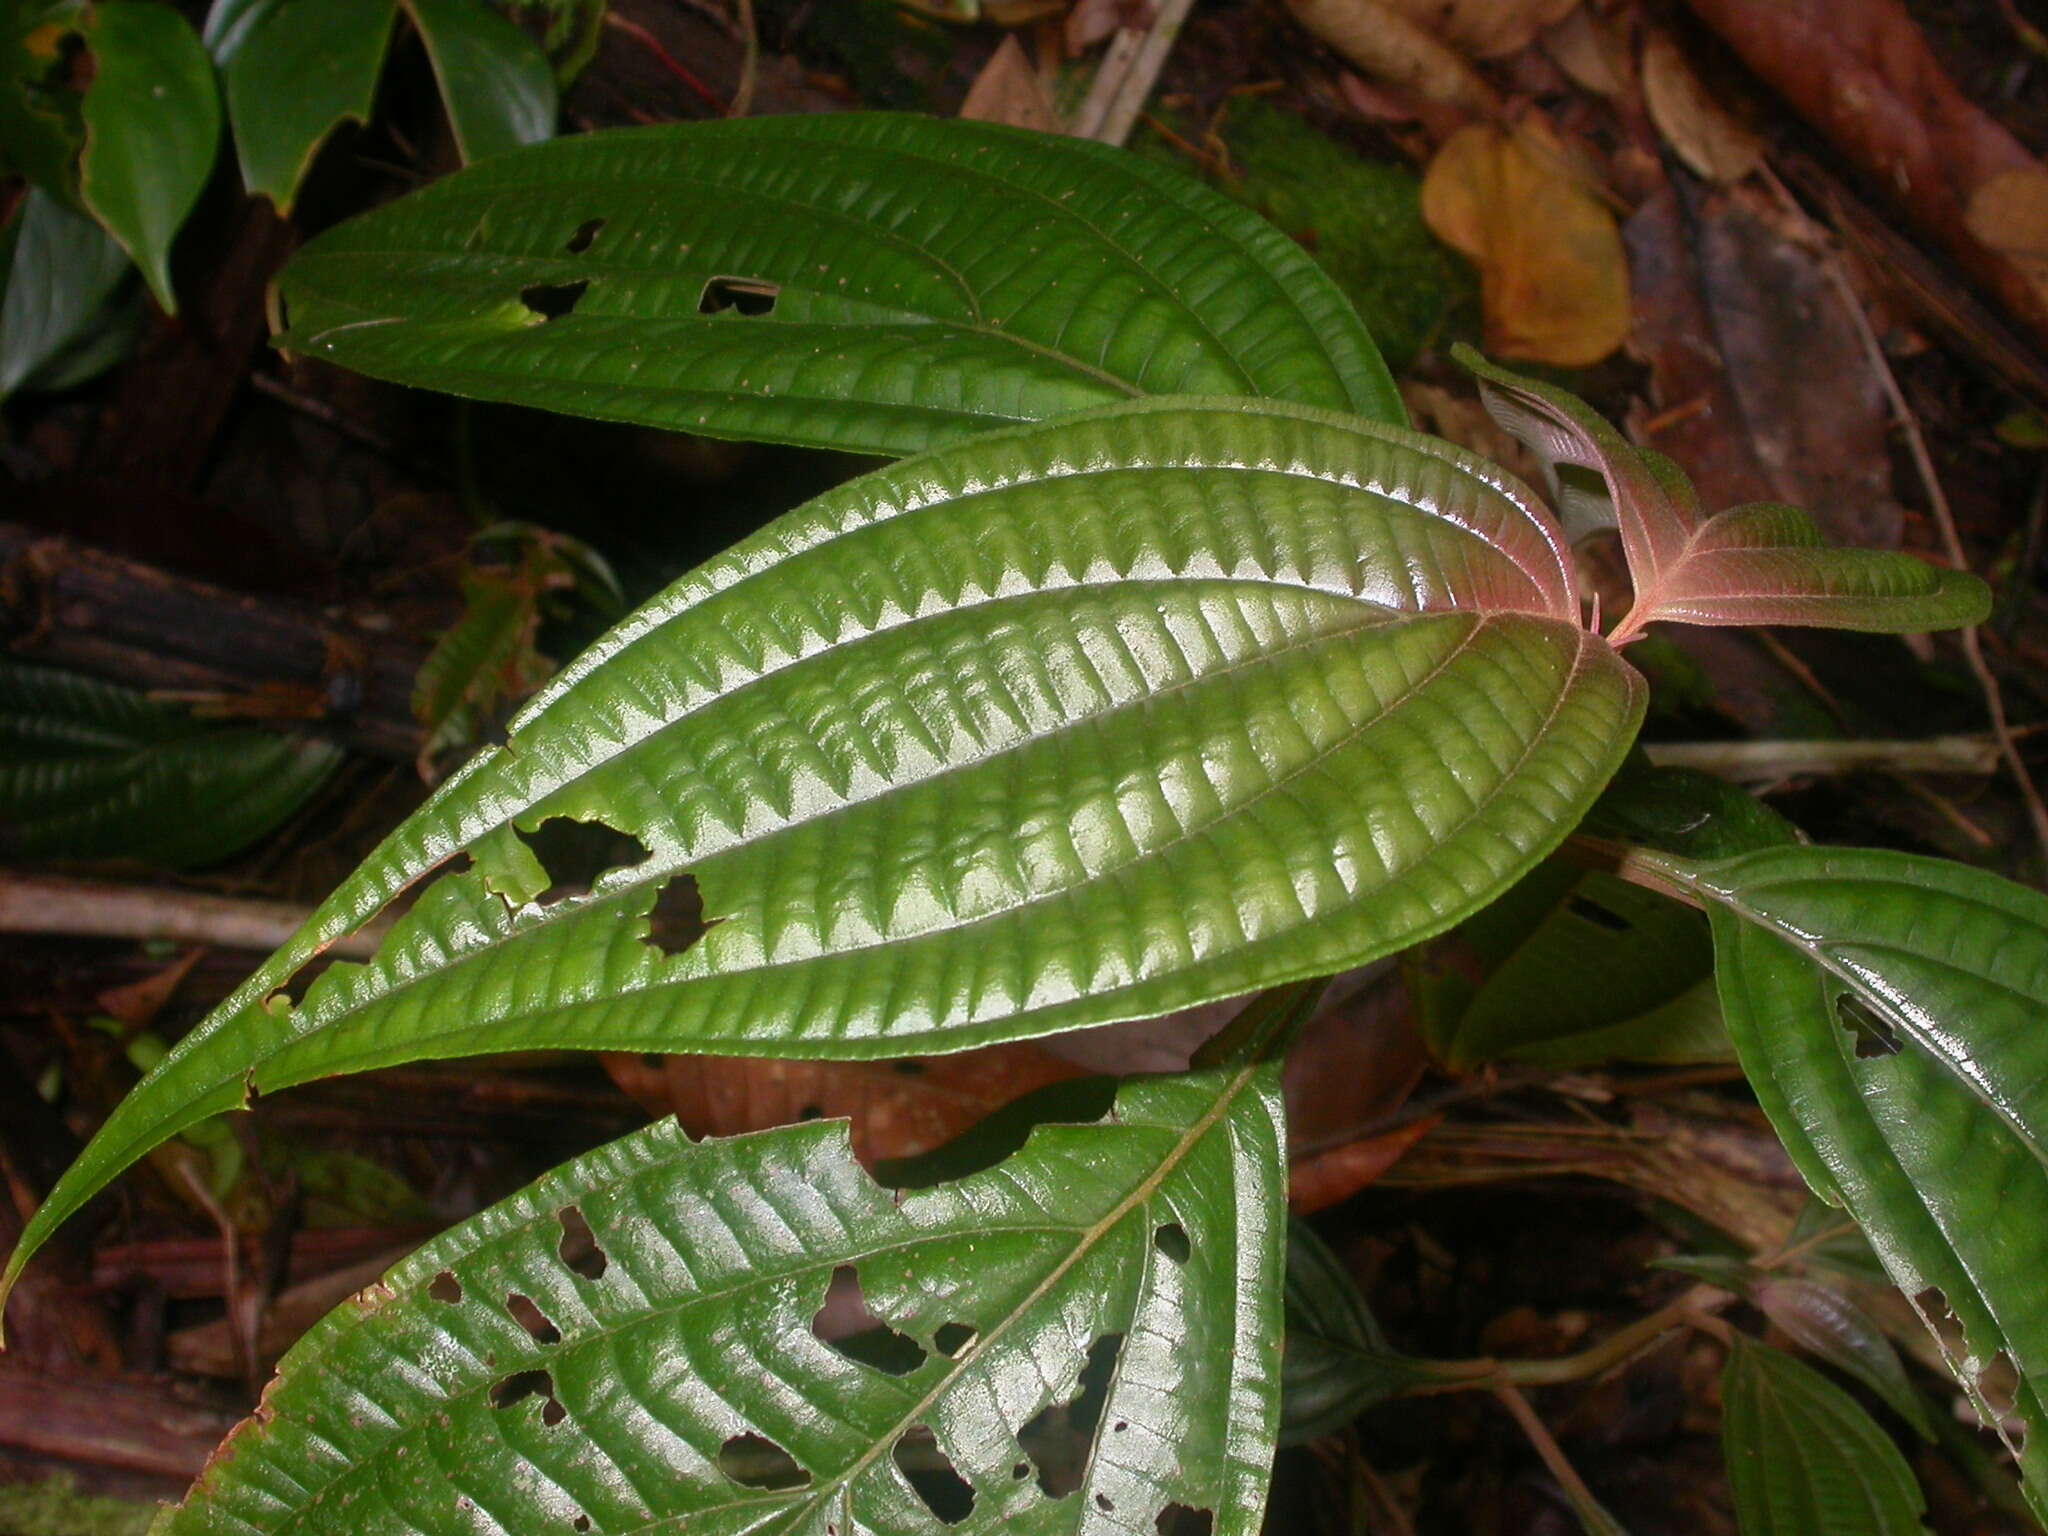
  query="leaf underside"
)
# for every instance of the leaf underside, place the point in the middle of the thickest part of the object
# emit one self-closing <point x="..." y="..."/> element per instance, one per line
<point x="1066" y="725"/>
<point x="1804" y="1459"/>
<point x="1763" y="563"/>
<point x="867" y="282"/>
<point x="671" y="1375"/>
<point x="1886" y="1009"/>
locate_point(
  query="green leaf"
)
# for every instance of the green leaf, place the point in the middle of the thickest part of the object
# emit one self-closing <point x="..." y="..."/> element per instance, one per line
<point x="1337" y="1363"/>
<point x="874" y="283"/>
<point x="498" y="86"/>
<point x="487" y="656"/>
<point x="152" y="123"/>
<point x="1886" y="1008"/>
<point x="92" y="771"/>
<point x="39" y="123"/>
<point x="295" y="70"/>
<point x="1080" y="722"/>
<point x="60" y="295"/>
<point x="1534" y="949"/>
<point x="1076" y="1338"/>
<point x="1804" y="1459"/>
<point x="1758" y="564"/>
<point x="1824" y="1322"/>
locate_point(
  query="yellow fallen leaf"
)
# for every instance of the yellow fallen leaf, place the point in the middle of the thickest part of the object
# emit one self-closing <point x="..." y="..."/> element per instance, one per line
<point x="1586" y="48"/>
<point x="1553" y="282"/>
<point x="1389" y="47"/>
<point x="2009" y="213"/>
<point x="1705" y="135"/>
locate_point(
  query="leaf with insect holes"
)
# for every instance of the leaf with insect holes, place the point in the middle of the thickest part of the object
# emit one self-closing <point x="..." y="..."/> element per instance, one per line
<point x="1763" y="563"/>
<point x="1079" y="722"/>
<point x="1804" y="1459"/>
<point x="1887" y="1010"/>
<point x="875" y="283"/>
<point x="1083" y="1336"/>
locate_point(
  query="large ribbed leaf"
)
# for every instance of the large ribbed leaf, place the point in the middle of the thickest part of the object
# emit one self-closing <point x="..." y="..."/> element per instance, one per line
<point x="876" y="283"/>
<point x="1888" y="1009"/>
<point x="676" y="1373"/>
<point x="1804" y="1459"/>
<point x="1064" y="725"/>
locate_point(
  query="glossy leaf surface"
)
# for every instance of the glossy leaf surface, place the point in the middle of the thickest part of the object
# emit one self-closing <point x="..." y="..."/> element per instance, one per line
<point x="668" y="1375"/>
<point x="61" y="282"/>
<point x="1337" y="1363"/>
<point x="91" y="771"/>
<point x="1763" y="563"/>
<point x="295" y="70"/>
<point x="1804" y="1459"/>
<point x="152" y="124"/>
<point x="1886" y="1009"/>
<point x="875" y="283"/>
<point x="496" y="83"/>
<point x="1070" y="724"/>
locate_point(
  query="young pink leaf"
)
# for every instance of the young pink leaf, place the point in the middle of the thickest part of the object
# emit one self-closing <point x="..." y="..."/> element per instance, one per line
<point x="1763" y="563"/>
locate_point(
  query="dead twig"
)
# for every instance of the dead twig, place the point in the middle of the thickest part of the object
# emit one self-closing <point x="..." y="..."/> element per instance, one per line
<point x="1129" y="71"/>
<point x="51" y="904"/>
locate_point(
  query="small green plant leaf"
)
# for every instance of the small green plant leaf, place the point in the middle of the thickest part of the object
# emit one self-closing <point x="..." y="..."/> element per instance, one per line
<point x="40" y="129"/>
<point x="1075" y="1338"/>
<point x="1758" y="564"/>
<point x="875" y="283"/>
<point x="1886" y="1009"/>
<point x="1078" y="722"/>
<point x="92" y="771"/>
<point x="496" y="83"/>
<point x="152" y="124"/>
<point x="1804" y="1459"/>
<point x="1825" y="1323"/>
<point x="1337" y="1363"/>
<point x="295" y="70"/>
<point x="60" y="299"/>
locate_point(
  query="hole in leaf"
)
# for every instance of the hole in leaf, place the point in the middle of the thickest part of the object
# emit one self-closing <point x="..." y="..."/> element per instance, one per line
<point x="1102" y="1502"/>
<point x="1172" y="1242"/>
<point x="1874" y="1036"/>
<point x="576" y="855"/>
<point x="445" y="1287"/>
<point x="932" y="1477"/>
<point x="580" y="1523"/>
<point x="551" y="301"/>
<point x="844" y="1322"/>
<point x="755" y="1461"/>
<point x="741" y="295"/>
<point x="521" y="1385"/>
<point x="1599" y="916"/>
<point x="1180" y="1520"/>
<point x="677" y="919"/>
<point x="585" y="233"/>
<point x="579" y="1249"/>
<point x="1021" y="1471"/>
<point x="951" y="1338"/>
<point x="532" y="1319"/>
<point x="1057" y="1438"/>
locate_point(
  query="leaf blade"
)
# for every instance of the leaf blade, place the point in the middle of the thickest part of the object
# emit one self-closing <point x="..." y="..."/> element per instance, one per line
<point x="63" y="276"/>
<point x="616" y="275"/>
<point x="657" y="1365"/>
<point x="1803" y="1459"/>
<point x="152" y="121"/>
<point x="495" y="81"/>
<point x="1131" y="728"/>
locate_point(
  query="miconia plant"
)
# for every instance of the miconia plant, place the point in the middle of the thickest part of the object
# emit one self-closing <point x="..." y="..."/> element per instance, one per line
<point x="1167" y="666"/>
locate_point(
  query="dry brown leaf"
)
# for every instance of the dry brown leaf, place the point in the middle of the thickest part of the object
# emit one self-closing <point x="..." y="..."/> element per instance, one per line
<point x="1703" y="132"/>
<point x="2009" y="213"/>
<point x="898" y="1108"/>
<point x="1485" y="29"/>
<point x="1553" y="282"/>
<point x="1317" y="1182"/>
<point x="1094" y="21"/>
<point x="1587" y="49"/>
<point x="1009" y="91"/>
<point x="1391" y="48"/>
